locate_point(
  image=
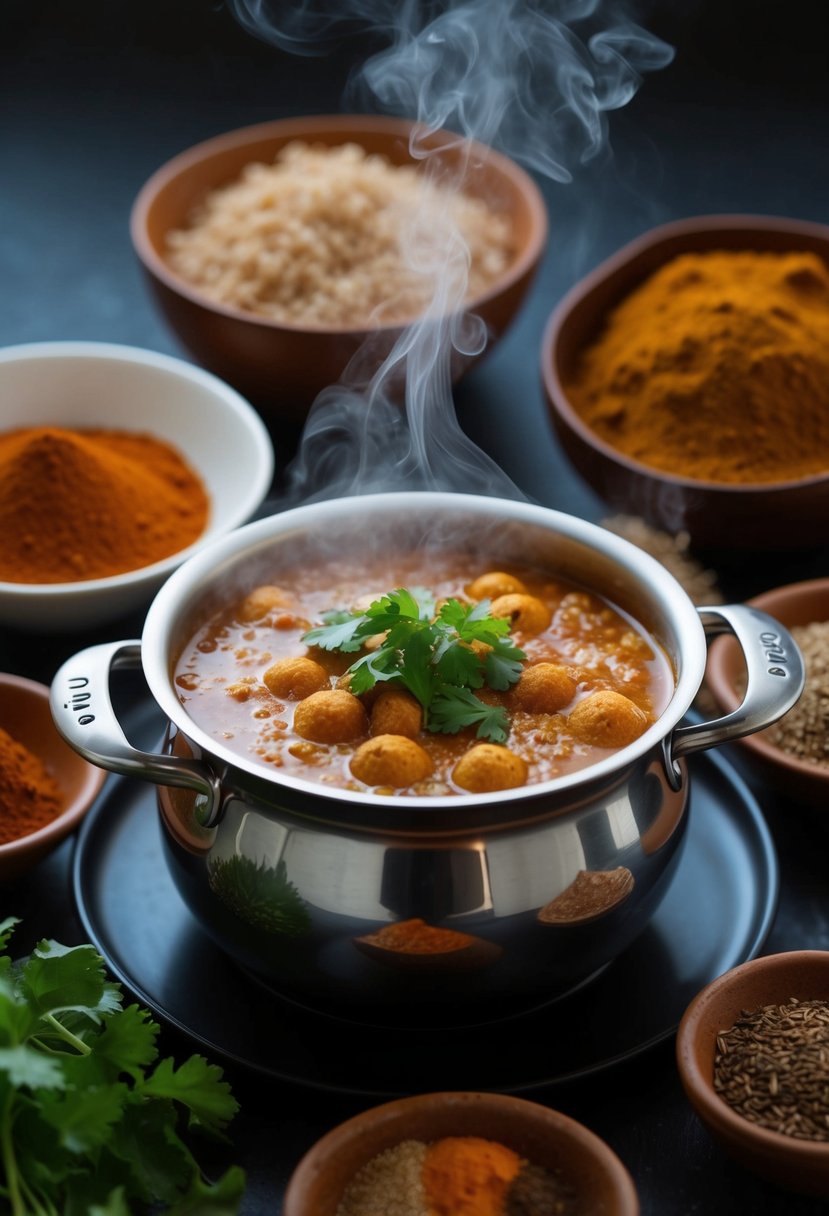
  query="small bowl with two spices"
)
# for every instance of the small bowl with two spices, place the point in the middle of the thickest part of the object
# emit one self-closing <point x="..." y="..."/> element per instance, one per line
<point x="751" y="1051"/>
<point x="460" y="1153"/>
<point x="116" y="465"/>
<point x="277" y="251"/>
<point x="688" y="381"/>
<point x="431" y="747"/>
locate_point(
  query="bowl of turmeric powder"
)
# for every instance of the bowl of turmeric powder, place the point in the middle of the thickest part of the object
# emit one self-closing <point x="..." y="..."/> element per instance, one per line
<point x="46" y="788"/>
<point x="458" y="1153"/>
<point x="114" y="469"/>
<point x="688" y="380"/>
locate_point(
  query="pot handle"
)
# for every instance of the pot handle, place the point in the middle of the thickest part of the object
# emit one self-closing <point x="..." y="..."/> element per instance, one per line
<point x="776" y="675"/>
<point x="84" y="715"/>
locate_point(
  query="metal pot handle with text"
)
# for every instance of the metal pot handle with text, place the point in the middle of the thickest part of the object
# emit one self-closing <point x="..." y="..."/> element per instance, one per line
<point x="83" y="713"/>
<point x="775" y="675"/>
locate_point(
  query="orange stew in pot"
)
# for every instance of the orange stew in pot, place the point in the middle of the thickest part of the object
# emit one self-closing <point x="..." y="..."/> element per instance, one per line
<point x="426" y="675"/>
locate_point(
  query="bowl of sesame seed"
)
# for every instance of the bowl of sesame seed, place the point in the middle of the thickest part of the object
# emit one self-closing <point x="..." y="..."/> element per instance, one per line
<point x="793" y="754"/>
<point x="753" y="1057"/>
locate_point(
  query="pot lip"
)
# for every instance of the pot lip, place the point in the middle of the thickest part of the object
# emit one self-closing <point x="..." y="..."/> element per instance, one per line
<point x="646" y="569"/>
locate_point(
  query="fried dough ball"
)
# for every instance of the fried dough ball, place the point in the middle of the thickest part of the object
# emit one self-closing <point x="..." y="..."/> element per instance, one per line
<point x="493" y="584"/>
<point x="261" y="601"/>
<point x="390" y="760"/>
<point x="396" y="712"/>
<point x="294" y="679"/>
<point x="527" y="613"/>
<point x="607" y="719"/>
<point x="544" y="688"/>
<point x="487" y="767"/>
<point x="331" y="716"/>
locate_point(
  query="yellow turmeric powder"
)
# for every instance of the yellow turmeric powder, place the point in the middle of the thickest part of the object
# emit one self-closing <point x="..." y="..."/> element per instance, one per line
<point x="468" y="1176"/>
<point x="716" y="368"/>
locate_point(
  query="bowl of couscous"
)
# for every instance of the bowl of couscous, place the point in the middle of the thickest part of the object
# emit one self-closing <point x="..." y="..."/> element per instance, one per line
<point x="277" y="250"/>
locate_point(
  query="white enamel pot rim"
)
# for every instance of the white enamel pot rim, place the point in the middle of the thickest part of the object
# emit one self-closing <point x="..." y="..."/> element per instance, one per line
<point x="97" y="736"/>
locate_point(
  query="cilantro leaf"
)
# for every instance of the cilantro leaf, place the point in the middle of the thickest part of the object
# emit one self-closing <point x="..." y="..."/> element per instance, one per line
<point x="431" y="654"/>
<point x="454" y="708"/>
<point x="85" y="1127"/>
<point x="503" y="665"/>
<point x="337" y="633"/>
<point x="198" y="1086"/>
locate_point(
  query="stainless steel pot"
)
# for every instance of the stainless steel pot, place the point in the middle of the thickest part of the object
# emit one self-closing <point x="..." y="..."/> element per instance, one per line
<point x="288" y="875"/>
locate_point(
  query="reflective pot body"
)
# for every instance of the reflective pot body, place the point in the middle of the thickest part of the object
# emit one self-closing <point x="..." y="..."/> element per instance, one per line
<point x="548" y="883"/>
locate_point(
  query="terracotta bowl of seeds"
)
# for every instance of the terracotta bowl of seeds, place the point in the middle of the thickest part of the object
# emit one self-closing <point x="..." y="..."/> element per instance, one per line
<point x="554" y="1160"/>
<point x="786" y="755"/>
<point x="281" y="357"/>
<point x="753" y="1075"/>
<point x="70" y="783"/>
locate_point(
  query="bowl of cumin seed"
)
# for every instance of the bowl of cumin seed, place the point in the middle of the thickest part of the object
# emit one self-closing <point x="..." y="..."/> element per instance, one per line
<point x="753" y="1056"/>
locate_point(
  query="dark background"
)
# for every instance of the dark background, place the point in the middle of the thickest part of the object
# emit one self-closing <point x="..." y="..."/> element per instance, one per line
<point x="96" y="94"/>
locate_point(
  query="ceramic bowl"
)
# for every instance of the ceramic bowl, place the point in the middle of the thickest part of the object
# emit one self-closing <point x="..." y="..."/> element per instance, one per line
<point x="25" y="715"/>
<point x="798" y="1165"/>
<point x="89" y="384"/>
<point x="794" y="604"/>
<point x="542" y="1136"/>
<point x="717" y="515"/>
<point x="282" y="367"/>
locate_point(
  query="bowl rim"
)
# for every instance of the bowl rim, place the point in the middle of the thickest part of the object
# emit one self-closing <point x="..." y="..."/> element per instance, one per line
<point x="649" y="573"/>
<point x="621" y="258"/>
<point x="525" y="1111"/>
<point x="258" y="483"/>
<point x="723" y="690"/>
<point x="700" y="1090"/>
<point x="63" y="823"/>
<point x="309" y="126"/>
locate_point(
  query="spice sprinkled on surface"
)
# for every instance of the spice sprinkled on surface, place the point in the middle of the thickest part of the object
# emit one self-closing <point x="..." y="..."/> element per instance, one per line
<point x="772" y="1067"/>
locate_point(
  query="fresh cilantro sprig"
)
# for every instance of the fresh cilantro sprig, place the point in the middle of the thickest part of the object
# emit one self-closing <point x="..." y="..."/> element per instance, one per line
<point x="90" y="1118"/>
<point x="430" y="654"/>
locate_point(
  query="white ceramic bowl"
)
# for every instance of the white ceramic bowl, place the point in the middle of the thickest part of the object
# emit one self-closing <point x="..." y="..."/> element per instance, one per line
<point x="93" y="384"/>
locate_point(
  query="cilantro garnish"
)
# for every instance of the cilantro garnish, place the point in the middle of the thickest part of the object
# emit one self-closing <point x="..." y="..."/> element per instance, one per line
<point x="90" y="1119"/>
<point x="432" y="655"/>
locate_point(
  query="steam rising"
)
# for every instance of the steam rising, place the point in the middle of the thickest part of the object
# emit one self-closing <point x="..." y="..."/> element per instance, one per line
<point x="535" y="78"/>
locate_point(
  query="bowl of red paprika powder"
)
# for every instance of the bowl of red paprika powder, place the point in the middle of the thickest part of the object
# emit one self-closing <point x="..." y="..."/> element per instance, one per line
<point x="46" y="788"/>
<point x="116" y="465"/>
<point x="686" y="379"/>
<point x="461" y="1152"/>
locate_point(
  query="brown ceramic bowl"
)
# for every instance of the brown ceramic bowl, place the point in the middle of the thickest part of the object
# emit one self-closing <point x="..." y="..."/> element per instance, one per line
<point x="542" y="1136"/>
<point x="798" y="1165"/>
<point x="25" y="715"/>
<point x="282" y="367"/>
<point x="784" y="515"/>
<point x="794" y="604"/>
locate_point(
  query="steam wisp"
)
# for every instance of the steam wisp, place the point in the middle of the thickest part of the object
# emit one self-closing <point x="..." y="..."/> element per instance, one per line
<point x="534" y="79"/>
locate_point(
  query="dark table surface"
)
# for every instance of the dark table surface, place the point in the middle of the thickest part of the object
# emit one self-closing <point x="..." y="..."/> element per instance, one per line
<point x="96" y="95"/>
